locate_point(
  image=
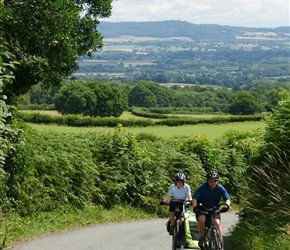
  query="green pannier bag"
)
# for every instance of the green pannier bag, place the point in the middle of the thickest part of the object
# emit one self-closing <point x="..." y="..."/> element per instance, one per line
<point x="190" y="230"/>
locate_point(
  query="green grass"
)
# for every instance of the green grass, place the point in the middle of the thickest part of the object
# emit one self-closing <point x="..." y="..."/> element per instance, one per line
<point x="211" y="130"/>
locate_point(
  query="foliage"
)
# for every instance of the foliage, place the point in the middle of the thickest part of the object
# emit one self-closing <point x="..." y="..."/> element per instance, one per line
<point x="51" y="171"/>
<point x="242" y="103"/>
<point x="158" y="101"/>
<point x="11" y="139"/>
<point x="266" y="214"/>
<point x="201" y="146"/>
<point x="7" y="65"/>
<point x="278" y="125"/>
<point x="164" y="96"/>
<point x="75" y="98"/>
<point x="142" y="97"/>
<point x="109" y="99"/>
<point x="90" y="99"/>
<point x="47" y="37"/>
<point x="234" y="154"/>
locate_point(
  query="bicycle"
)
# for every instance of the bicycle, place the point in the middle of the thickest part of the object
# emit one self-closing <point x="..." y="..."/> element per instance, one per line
<point x="211" y="238"/>
<point x="178" y="215"/>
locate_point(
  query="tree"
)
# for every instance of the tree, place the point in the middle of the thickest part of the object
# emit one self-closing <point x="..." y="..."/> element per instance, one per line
<point x="91" y="98"/>
<point x="164" y="95"/>
<point x="47" y="37"/>
<point x="38" y="95"/>
<point x="110" y="101"/>
<point x="75" y="98"/>
<point x="242" y="103"/>
<point x="141" y="96"/>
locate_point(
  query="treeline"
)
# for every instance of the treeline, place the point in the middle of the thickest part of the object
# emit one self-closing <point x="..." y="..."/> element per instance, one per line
<point x="111" y="99"/>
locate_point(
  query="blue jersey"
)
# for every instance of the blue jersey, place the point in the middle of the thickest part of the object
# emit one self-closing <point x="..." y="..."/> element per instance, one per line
<point x="210" y="197"/>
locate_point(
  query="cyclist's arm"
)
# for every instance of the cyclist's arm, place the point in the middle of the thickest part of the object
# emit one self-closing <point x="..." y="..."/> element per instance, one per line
<point x="228" y="202"/>
<point x="226" y="197"/>
<point x="189" y="196"/>
<point x="194" y="203"/>
<point x="166" y="198"/>
<point x="196" y="196"/>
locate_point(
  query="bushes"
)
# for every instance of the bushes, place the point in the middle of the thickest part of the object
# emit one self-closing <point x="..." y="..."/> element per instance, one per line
<point x="51" y="171"/>
<point x="80" y="121"/>
<point x="56" y="170"/>
<point x="266" y="215"/>
<point x="264" y="222"/>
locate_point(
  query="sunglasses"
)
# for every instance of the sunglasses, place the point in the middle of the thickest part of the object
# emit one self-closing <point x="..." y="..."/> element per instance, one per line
<point x="213" y="180"/>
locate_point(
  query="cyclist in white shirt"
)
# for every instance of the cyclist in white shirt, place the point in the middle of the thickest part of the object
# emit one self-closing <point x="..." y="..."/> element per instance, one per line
<point x="179" y="191"/>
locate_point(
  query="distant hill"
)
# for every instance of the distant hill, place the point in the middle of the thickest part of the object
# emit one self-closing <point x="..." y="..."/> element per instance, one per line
<point x="163" y="29"/>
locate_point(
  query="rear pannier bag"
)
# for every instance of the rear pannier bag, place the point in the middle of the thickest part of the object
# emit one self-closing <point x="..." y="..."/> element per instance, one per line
<point x="191" y="230"/>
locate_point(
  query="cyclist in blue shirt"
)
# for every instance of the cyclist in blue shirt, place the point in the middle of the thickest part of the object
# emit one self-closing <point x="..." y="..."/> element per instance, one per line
<point x="209" y="195"/>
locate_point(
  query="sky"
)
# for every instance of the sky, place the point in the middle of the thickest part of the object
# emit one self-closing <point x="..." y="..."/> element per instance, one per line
<point x="246" y="13"/>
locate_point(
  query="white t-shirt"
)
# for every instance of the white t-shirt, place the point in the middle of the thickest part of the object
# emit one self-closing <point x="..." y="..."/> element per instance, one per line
<point x="179" y="193"/>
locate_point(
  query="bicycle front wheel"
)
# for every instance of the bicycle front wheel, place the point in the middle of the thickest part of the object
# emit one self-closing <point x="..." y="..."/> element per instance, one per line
<point x="214" y="240"/>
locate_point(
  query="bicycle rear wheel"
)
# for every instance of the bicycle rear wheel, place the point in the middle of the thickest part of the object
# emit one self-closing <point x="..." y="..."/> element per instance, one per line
<point x="215" y="241"/>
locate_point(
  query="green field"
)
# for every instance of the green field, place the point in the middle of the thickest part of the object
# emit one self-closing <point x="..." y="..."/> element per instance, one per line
<point x="211" y="130"/>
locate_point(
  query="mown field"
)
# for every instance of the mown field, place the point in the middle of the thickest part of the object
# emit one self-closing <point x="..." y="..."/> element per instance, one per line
<point x="211" y="130"/>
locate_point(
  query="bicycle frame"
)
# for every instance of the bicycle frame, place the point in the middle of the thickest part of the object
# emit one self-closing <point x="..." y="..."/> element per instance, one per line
<point x="211" y="238"/>
<point x="178" y="215"/>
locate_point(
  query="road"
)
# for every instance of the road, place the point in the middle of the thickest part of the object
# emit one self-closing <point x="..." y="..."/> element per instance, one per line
<point x="149" y="234"/>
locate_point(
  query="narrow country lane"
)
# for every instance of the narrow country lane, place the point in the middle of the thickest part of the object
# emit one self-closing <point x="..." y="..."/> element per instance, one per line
<point x="149" y="234"/>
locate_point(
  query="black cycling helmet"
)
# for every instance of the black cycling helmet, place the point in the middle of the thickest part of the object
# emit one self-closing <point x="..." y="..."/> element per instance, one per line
<point x="212" y="175"/>
<point x="180" y="176"/>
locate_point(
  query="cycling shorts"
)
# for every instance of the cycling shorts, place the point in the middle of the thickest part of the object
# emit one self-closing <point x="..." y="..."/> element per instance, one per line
<point x="173" y="207"/>
<point x="207" y="217"/>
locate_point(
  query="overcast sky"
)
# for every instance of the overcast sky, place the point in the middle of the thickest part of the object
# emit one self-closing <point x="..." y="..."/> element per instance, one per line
<point x="247" y="13"/>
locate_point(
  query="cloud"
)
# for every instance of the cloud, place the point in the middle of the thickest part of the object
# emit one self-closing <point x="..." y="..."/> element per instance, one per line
<point x="249" y="13"/>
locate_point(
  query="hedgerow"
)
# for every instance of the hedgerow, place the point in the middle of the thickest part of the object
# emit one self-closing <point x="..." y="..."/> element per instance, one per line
<point x="80" y="121"/>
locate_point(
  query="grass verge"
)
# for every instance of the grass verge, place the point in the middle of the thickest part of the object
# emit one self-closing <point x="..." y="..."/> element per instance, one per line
<point x="16" y="228"/>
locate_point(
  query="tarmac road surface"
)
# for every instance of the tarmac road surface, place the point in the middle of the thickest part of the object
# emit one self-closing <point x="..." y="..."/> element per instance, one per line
<point x="137" y="235"/>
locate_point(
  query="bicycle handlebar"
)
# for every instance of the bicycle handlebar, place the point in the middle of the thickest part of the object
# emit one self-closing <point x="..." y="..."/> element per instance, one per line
<point x="178" y="202"/>
<point x="213" y="210"/>
<point x="181" y="202"/>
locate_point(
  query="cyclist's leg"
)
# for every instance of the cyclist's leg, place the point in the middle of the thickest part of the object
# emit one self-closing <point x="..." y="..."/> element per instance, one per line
<point x="201" y="218"/>
<point x="172" y="217"/>
<point x="201" y="223"/>
<point x="172" y="213"/>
